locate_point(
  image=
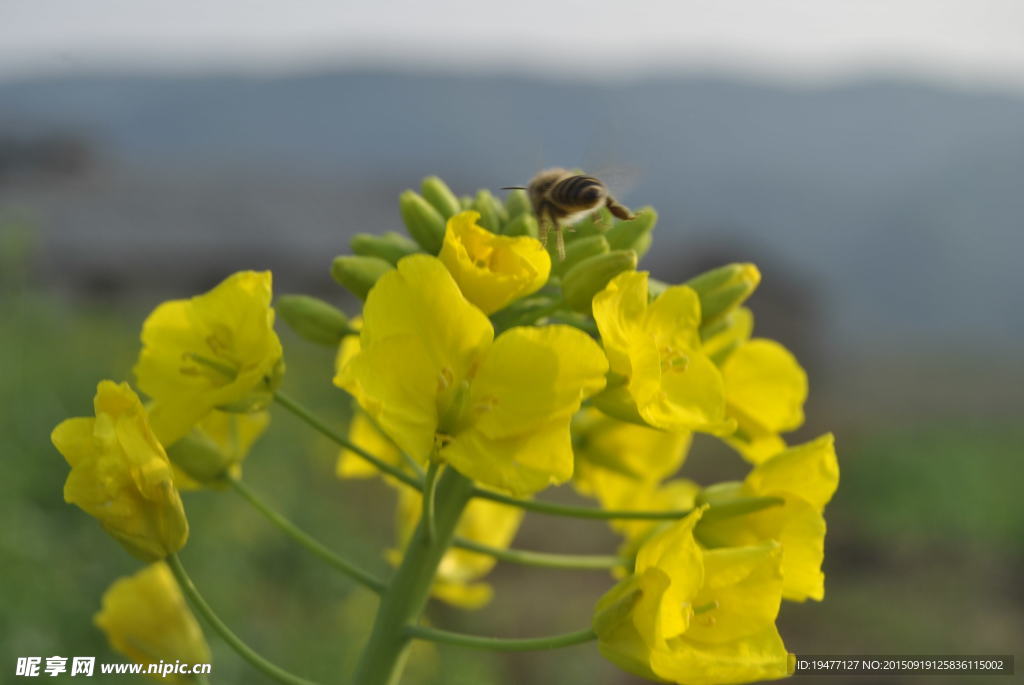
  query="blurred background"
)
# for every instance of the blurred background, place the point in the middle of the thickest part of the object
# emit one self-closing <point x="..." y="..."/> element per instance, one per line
<point x="867" y="155"/>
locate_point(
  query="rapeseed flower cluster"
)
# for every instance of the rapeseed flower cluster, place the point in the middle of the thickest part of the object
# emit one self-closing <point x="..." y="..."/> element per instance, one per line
<point x="478" y="352"/>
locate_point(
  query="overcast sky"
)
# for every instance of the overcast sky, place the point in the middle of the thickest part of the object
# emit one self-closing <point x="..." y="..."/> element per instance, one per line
<point x="966" y="41"/>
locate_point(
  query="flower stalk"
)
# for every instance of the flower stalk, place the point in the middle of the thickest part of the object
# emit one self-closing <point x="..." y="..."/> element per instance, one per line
<point x="269" y="669"/>
<point x="406" y="595"/>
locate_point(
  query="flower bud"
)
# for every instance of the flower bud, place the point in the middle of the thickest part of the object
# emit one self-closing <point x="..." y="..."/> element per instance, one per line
<point x="591" y="275"/>
<point x="358" y="274"/>
<point x="439" y="195"/>
<point x="595" y="223"/>
<point x="491" y="211"/>
<point x="723" y="289"/>
<point x="578" y="250"/>
<point x="145" y="617"/>
<point x="390" y="247"/>
<point x="524" y="224"/>
<point x="199" y="458"/>
<point x="424" y="223"/>
<point x="313" y="319"/>
<point x="517" y="203"/>
<point x="634" y="234"/>
<point x="214" y="449"/>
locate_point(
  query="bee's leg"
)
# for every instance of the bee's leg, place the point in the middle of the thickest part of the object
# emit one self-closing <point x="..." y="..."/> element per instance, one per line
<point x="559" y="243"/>
<point x="619" y="211"/>
<point x="543" y="226"/>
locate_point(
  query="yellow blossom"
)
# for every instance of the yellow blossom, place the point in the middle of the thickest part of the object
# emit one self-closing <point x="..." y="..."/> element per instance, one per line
<point x="483" y="521"/>
<point x="215" y="350"/>
<point x="433" y="378"/>
<point x="215" y="448"/>
<point x="693" y="616"/>
<point x="765" y="390"/>
<point x="120" y="474"/>
<point x="805" y="477"/>
<point x="145" y="617"/>
<point x="622" y="465"/>
<point x="492" y="270"/>
<point x="667" y="380"/>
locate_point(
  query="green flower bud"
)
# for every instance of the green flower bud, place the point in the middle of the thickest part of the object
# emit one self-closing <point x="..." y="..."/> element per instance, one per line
<point x="358" y="274"/>
<point x="634" y="234"/>
<point x="424" y="223"/>
<point x="590" y="276"/>
<point x="578" y="250"/>
<point x="390" y="247"/>
<point x="723" y="289"/>
<point x="517" y="203"/>
<point x="465" y="202"/>
<point x="595" y="223"/>
<point x="313" y="319"/>
<point x="524" y="224"/>
<point x="491" y="211"/>
<point x="440" y="196"/>
<point x="200" y="458"/>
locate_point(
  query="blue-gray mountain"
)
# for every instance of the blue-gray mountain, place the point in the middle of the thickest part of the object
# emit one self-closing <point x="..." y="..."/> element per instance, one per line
<point x="900" y="204"/>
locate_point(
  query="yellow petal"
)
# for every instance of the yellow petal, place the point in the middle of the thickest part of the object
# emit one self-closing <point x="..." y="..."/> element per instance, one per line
<point x="757" y="657"/>
<point x="395" y="381"/>
<point x="521" y="465"/>
<point x="619" y="311"/>
<point x="532" y="376"/>
<point x="743" y="585"/>
<point x="765" y="386"/>
<point x="673" y="318"/>
<point x="674" y="552"/>
<point x="74" y="439"/>
<point x="123" y="478"/>
<point x="145" y="617"/>
<point x="213" y="350"/>
<point x="809" y="471"/>
<point x="420" y="299"/>
<point x="492" y="270"/>
<point x="692" y="397"/>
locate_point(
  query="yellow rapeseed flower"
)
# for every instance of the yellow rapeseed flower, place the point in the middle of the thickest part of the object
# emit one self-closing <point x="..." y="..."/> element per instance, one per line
<point x="492" y="270"/>
<point x="120" y="474"/>
<point x="622" y="465"/>
<point x="215" y="350"/>
<point x="433" y="378"/>
<point x="805" y="477"/>
<point x="667" y="380"/>
<point x="765" y="390"/>
<point x="145" y="617"/>
<point x="692" y="616"/>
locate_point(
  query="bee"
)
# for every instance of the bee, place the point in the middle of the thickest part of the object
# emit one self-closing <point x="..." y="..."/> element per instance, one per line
<point x="560" y="198"/>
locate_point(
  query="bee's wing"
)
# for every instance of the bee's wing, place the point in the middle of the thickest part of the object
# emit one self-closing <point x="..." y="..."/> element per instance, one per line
<point x="607" y="160"/>
<point x="620" y="179"/>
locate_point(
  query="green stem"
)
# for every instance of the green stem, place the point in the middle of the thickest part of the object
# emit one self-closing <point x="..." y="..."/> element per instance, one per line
<point x="578" y="512"/>
<point x="402" y="603"/>
<point x="544" y="559"/>
<point x="275" y="672"/>
<point x="502" y="644"/>
<point x="300" y="536"/>
<point x="304" y="414"/>
<point x="429" y="494"/>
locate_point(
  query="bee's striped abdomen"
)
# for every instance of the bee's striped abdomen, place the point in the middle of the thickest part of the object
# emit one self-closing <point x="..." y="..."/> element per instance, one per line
<point x="577" y="191"/>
